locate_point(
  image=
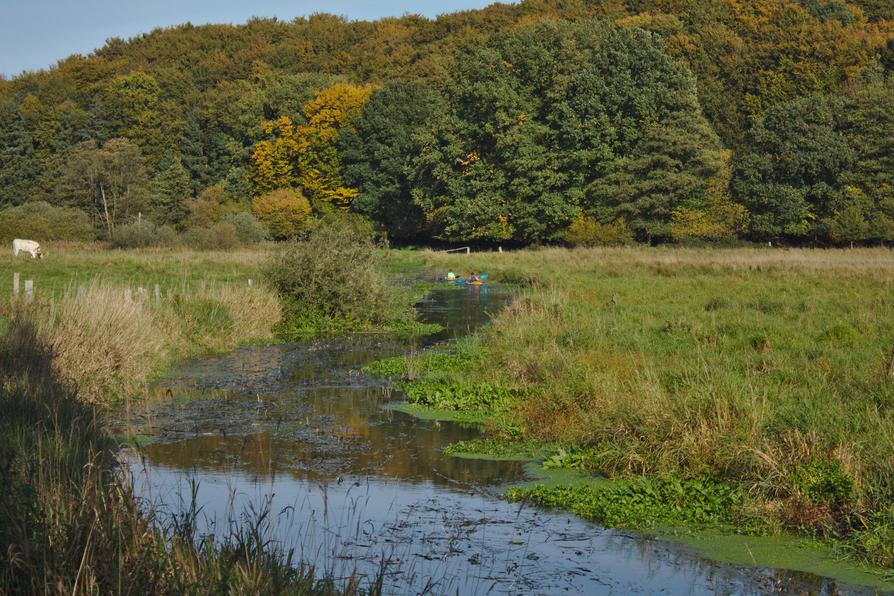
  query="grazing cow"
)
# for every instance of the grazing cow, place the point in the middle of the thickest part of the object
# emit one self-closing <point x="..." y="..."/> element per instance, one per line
<point x="29" y="246"/>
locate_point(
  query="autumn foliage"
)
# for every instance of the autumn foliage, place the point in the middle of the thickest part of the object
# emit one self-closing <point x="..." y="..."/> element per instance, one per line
<point x="286" y="213"/>
<point x="684" y="119"/>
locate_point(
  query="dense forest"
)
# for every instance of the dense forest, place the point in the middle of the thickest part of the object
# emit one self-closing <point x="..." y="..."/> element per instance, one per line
<point x="586" y="122"/>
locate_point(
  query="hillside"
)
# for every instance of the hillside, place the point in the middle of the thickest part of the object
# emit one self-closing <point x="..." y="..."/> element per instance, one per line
<point x="697" y="132"/>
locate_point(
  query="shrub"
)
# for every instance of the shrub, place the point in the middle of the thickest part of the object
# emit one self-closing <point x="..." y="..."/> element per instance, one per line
<point x="588" y="231"/>
<point x="249" y="229"/>
<point x="334" y="277"/>
<point x="721" y="223"/>
<point x="220" y="236"/>
<point x="142" y="234"/>
<point x="285" y="213"/>
<point x="213" y="204"/>
<point x="41" y="221"/>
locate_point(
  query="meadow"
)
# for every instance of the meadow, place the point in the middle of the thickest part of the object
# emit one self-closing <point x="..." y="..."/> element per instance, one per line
<point x="754" y="386"/>
<point x="108" y="341"/>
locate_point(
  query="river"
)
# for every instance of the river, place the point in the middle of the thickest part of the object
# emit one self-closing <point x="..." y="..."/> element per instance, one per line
<point x="297" y="437"/>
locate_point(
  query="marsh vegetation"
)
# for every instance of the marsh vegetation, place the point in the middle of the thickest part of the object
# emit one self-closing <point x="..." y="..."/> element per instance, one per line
<point x="750" y="388"/>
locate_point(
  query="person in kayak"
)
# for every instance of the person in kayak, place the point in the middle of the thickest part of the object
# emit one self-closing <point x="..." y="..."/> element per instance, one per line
<point x="472" y="278"/>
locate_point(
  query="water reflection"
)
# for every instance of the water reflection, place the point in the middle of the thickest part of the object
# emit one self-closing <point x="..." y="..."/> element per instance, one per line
<point x="300" y="430"/>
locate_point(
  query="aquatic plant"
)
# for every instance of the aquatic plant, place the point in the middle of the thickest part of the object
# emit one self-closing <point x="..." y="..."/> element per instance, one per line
<point x="641" y="503"/>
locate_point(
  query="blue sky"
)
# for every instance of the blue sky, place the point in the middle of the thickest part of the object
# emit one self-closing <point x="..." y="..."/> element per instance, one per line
<point x="36" y="34"/>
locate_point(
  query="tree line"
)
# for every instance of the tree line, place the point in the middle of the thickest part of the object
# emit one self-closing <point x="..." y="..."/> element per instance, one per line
<point x="546" y="121"/>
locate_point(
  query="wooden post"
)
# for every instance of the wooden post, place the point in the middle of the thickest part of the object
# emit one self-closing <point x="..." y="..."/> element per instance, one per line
<point x="157" y="293"/>
<point x="29" y="290"/>
<point x="15" y="284"/>
<point x="249" y="282"/>
<point x="468" y="250"/>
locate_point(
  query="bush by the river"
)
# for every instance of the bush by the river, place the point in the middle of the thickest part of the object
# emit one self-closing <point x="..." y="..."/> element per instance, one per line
<point x="221" y="236"/>
<point x="249" y="229"/>
<point x="334" y="280"/>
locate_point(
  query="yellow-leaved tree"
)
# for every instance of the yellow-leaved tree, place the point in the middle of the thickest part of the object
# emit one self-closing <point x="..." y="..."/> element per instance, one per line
<point x="285" y="212"/>
<point x="305" y="155"/>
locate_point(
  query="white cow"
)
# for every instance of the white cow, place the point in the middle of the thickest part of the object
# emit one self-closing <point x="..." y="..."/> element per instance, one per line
<point x="29" y="246"/>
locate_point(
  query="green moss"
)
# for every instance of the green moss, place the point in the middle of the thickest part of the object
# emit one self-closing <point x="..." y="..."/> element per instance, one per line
<point x="782" y="552"/>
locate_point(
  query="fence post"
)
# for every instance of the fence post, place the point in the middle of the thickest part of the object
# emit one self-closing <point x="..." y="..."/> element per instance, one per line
<point x="15" y="284"/>
<point x="249" y="282"/>
<point x="468" y="250"/>
<point x="500" y="249"/>
<point x="29" y="290"/>
<point x="157" y="293"/>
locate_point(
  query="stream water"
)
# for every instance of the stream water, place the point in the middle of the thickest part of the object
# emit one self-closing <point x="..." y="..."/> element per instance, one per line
<point x="296" y="436"/>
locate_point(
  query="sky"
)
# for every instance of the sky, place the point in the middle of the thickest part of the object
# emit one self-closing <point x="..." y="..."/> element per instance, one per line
<point x="35" y="34"/>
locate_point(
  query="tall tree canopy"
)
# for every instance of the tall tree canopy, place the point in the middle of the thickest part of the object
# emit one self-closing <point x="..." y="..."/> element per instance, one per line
<point x="378" y="153"/>
<point x="494" y="124"/>
<point x="822" y="167"/>
<point x="556" y="118"/>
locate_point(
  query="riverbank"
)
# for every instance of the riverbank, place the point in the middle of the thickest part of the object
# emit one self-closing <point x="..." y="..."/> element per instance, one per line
<point x="740" y="389"/>
<point x="96" y="332"/>
<point x="71" y="524"/>
<point x="115" y="320"/>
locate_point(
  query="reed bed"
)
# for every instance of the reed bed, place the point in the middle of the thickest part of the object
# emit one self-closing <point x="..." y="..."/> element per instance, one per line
<point x="108" y="341"/>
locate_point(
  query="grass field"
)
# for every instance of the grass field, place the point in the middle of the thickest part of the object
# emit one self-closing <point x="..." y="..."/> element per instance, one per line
<point x="108" y="341"/>
<point x="67" y="265"/>
<point x="768" y="371"/>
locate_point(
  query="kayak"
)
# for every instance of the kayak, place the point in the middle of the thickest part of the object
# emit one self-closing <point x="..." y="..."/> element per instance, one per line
<point x="462" y="280"/>
<point x="469" y="283"/>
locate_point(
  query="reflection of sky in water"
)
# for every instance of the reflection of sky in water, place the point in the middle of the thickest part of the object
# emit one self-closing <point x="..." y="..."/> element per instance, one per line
<point x="463" y="540"/>
<point x="300" y="429"/>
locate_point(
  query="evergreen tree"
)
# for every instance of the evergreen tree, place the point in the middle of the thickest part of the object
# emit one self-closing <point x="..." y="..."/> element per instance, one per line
<point x="171" y="189"/>
<point x="192" y="153"/>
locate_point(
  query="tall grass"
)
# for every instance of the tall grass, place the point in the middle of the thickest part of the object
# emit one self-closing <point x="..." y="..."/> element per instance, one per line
<point x="765" y="368"/>
<point x="108" y="342"/>
<point x="69" y="524"/>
